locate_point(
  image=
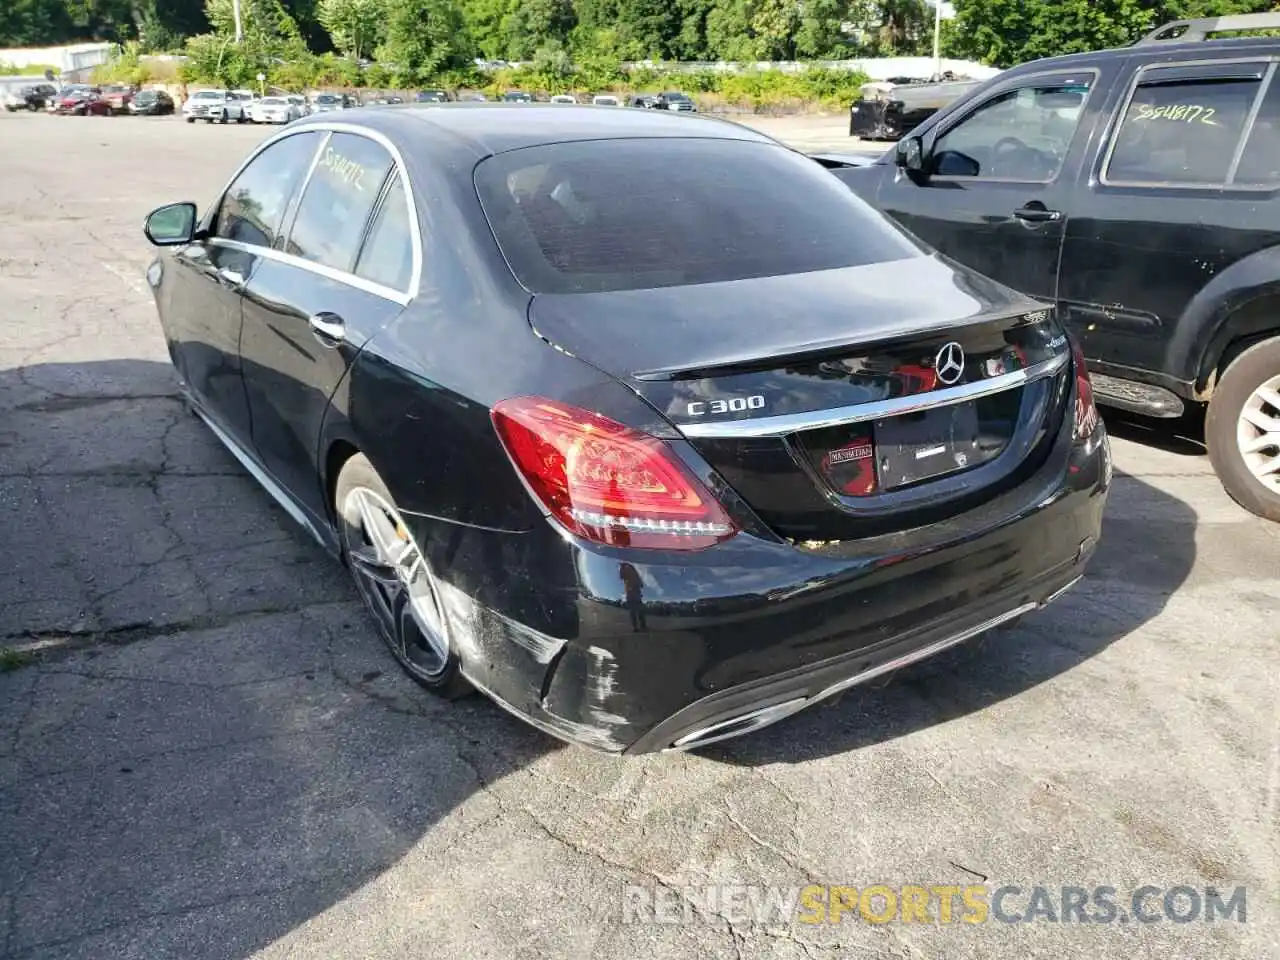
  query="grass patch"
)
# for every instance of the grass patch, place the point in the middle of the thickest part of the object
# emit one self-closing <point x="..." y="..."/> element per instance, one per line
<point x="12" y="659"/>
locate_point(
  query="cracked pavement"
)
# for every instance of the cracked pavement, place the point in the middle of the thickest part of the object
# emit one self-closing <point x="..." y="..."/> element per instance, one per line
<point x="212" y="757"/>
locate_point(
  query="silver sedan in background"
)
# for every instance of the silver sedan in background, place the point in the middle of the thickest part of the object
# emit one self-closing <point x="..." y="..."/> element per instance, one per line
<point x="274" y="110"/>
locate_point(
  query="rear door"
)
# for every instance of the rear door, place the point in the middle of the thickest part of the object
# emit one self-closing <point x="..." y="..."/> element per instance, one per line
<point x="1177" y="195"/>
<point x="996" y="192"/>
<point x="344" y="270"/>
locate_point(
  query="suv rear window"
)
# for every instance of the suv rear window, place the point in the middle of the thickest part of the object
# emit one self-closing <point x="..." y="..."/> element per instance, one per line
<point x="634" y="214"/>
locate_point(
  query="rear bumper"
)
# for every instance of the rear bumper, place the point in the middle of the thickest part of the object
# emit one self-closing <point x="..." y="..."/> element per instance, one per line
<point x="723" y="641"/>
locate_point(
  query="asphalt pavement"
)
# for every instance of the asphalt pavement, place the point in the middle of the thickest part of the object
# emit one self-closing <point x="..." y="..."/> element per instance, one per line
<point x="206" y="753"/>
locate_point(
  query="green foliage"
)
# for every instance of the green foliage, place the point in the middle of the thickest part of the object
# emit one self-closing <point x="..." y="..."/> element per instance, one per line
<point x="424" y="37"/>
<point x="30" y="70"/>
<point x="578" y="44"/>
<point x="126" y="68"/>
<point x="356" y="26"/>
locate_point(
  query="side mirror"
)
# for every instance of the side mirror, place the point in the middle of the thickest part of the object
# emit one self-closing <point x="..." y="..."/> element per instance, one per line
<point x="911" y="156"/>
<point x="172" y="225"/>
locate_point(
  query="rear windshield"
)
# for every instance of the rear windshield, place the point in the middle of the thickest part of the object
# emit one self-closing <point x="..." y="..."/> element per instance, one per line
<point x="635" y="214"/>
<point x="208" y="95"/>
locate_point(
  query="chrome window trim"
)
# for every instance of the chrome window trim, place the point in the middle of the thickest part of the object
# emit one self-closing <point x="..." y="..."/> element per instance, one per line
<point x="329" y="273"/>
<point x="397" y="158"/>
<point x="788" y="423"/>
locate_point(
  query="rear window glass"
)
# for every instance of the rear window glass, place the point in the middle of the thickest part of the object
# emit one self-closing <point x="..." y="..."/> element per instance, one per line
<point x="1181" y="132"/>
<point x="635" y="214"/>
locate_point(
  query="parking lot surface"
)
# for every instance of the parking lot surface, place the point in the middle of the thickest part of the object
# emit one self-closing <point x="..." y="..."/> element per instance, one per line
<point x="212" y="756"/>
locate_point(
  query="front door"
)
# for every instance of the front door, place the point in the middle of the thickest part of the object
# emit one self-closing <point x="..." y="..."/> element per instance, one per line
<point x="212" y="275"/>
<point x="342" y="273"/>
<point x="204" y="336"/>
<point x="994" y="192"/>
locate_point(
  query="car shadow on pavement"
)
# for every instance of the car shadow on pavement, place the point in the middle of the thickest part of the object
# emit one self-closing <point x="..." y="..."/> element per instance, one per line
<point x="1182" y="435"/>
<point x="1146" y="552"/>
<point x="214" y="747"/>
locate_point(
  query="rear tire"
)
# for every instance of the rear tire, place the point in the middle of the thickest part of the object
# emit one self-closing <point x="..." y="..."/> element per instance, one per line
<point x="1242" y="429"/>
<point x="395" y="580"/>
<point x="190" y="119"/>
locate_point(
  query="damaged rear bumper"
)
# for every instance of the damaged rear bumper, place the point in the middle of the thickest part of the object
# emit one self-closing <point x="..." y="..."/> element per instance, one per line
<point x="728" y="640"/>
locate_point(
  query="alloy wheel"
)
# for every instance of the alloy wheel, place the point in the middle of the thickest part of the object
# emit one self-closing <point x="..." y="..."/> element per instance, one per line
<point x="1258" y="434"/>
<point x="395" y="580"/>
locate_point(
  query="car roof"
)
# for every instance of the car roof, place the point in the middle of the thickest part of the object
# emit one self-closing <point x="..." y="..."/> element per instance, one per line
<point x="487" y="128"/>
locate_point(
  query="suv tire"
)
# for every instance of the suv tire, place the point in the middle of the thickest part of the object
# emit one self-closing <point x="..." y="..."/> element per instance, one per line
<point x="1250" y="372"/>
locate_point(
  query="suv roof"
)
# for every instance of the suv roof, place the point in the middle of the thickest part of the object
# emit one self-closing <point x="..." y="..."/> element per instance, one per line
<point x="1176" y="40"/>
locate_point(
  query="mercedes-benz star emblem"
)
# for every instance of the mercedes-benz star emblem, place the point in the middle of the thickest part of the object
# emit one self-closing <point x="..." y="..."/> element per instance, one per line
<point x="949" y="363"/>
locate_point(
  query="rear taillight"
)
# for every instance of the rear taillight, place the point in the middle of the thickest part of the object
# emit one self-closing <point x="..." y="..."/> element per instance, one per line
<point x="606" y="482"/>
<point x="1086" y="410"/>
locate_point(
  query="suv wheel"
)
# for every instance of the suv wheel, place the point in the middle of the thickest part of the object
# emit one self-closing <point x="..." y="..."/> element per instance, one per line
<point x="1242" y="429"/>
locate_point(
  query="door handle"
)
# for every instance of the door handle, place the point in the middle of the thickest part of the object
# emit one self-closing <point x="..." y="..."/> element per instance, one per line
<point x="328" y="327"/>
<point x="1037" y="215"/>
<point x="233" y="277"/>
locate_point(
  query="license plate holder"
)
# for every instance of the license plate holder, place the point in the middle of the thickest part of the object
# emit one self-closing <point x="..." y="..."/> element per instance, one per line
<point x="926" y="444"/>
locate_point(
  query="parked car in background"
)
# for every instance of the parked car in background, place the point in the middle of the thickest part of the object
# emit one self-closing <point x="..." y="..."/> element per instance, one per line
<point x="273" y="110"/>
<point x="604" y="100"/>
<point x="38" y="96"/>
<point x="517" y="96"/>
<point x="214" y="106"/>
<point x="151" y="103"/>
<point x="80" y="100"/>
<point x="299" y="101"/>
<point x="1137" y="190"/>
<point x="711" y="450"/>
<point x="675" y="100"/>
<point x="328" y="102"/>
<point x="887" y="111"/>
<point x="643" y="101"/>
<point x="474" y="98"/>
<point x="118" y="96"/>
<point x="563" y="98"/>
<point x="432" y="96"/>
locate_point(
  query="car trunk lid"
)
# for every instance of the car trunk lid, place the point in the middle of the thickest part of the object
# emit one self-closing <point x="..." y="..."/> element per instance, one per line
<point x="838" y="403"/>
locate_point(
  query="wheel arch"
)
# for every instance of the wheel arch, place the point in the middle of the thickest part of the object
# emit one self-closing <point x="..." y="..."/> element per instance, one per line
<point x="339" y="451"/>
<point x="1254" y="321"/>
<point x="1237" y="307"/>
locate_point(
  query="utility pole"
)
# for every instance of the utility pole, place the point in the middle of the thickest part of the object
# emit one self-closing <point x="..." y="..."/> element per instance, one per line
<point x="235" y="10"/>
<point x="937" y="39"/>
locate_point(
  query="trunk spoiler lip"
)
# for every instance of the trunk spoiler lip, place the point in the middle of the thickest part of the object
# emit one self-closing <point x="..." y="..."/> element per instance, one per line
<point x="749" y="363"/>
<point x="789" y="423"/>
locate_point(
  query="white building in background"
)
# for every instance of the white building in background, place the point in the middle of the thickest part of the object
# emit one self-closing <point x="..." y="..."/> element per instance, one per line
<point x="71" y="62"/>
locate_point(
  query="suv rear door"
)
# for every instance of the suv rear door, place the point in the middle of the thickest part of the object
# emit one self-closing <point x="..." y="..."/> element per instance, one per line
<point x="1175" y="195"/>
<point x="1000" y="172"/>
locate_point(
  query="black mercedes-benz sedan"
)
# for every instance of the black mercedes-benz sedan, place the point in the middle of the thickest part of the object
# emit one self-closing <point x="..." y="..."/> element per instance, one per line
<point x="650" y="460"/>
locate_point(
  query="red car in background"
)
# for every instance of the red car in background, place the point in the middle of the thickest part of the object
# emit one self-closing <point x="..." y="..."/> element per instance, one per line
<point x="118" y="96"/>
<point x="80" y="100"/>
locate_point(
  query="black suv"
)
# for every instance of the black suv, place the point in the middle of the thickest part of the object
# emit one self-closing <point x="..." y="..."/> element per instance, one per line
<point x="1137" y="189"/>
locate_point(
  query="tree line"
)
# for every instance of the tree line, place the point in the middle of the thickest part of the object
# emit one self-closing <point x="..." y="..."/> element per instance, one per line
<point x="413" y="41"/>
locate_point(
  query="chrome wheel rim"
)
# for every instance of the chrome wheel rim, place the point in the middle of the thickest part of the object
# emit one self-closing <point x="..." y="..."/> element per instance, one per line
<point x="395" y="581"/>
<point x="1258" y="434"/>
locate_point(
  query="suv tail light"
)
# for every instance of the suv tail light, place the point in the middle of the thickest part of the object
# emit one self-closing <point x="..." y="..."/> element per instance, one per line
<point x="606" y="482"/>
<point x="1086" y="410"/>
